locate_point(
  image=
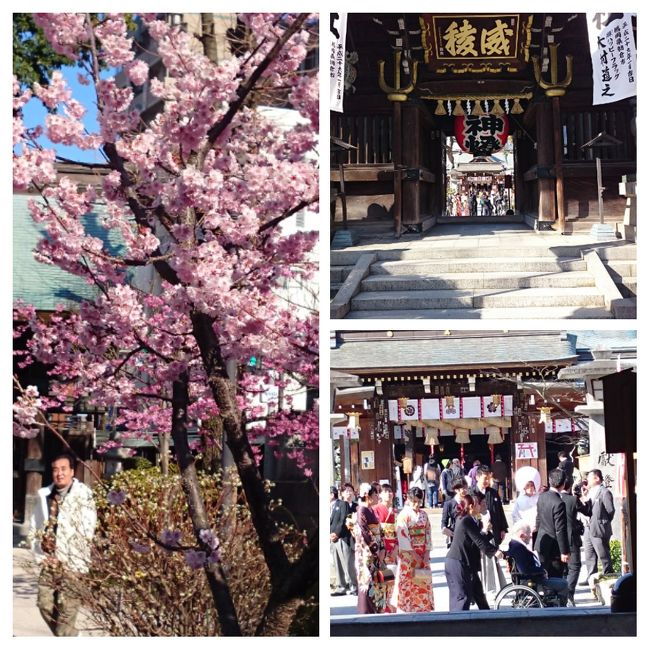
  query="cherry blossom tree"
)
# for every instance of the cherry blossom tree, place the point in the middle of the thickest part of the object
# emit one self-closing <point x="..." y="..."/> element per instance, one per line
<point x="198" y="198"/>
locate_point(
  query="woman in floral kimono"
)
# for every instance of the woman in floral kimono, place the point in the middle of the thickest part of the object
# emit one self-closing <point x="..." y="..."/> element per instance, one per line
<point x="413" y="590"/>
<point x="369" y="554"/>
<point x="386" y="515"/>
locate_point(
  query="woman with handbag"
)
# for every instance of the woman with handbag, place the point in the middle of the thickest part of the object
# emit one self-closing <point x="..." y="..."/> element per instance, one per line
<point x="413" y="591"/>
<point x="369" y="554"/>
<point x="463" y="561"/>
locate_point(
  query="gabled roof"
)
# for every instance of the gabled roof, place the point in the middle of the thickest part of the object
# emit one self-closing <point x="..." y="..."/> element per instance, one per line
<point x="489" y="350"/>
<point x="43" y="285"/>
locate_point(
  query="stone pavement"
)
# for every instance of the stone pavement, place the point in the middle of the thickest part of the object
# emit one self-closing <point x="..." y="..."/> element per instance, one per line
<point x="346" y="605"/>
<point x="27" y="620"/>
<point x="462" y="235"/>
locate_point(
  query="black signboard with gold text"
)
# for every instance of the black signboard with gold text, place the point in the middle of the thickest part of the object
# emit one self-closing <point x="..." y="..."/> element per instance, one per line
<point x="476" y="42"/>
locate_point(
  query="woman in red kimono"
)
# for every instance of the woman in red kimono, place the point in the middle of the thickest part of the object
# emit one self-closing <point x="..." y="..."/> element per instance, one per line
<point x="369" y="553"/>
<point x="413" y="591"/>
<point x="386" y="514"/>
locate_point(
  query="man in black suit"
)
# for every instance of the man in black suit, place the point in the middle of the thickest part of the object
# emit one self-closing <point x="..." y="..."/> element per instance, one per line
<point x="552" y="543"/>
<point x="341" y="538"/>
<point x="600" y="509"/>
<point x="574" y="531"/>
<point x="498" y="520"/>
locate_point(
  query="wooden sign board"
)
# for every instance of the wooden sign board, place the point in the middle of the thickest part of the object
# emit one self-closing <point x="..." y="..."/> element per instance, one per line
<point x="476" y="42"/>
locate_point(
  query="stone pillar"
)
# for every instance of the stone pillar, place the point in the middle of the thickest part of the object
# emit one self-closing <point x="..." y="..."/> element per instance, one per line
<point x="627" y="188"/>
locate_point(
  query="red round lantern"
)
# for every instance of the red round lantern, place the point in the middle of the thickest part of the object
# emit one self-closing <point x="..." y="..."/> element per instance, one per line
<point x="481" y="135"/>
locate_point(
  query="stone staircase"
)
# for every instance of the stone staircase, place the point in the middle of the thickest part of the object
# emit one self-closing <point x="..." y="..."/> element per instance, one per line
<point x="487" y="282"/>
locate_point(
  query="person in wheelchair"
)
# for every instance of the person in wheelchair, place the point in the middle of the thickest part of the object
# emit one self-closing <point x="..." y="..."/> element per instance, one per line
<point x="529" y="567"/>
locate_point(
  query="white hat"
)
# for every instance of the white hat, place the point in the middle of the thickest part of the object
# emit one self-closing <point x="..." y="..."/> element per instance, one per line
<point x="525" y="474"/>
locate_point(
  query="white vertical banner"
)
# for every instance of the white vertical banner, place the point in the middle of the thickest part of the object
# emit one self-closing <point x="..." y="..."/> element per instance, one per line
<point x="613" y="57"/>
<point x="338" y="28"/>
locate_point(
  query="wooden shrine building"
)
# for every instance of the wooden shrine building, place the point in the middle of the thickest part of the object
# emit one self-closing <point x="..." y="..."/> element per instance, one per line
<point x="415" y="81"/>
<point x="466" y="394"/>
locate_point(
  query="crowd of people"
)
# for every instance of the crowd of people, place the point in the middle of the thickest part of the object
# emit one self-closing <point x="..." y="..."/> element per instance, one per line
<point x="476" y="202"/>
<point x="381" y="552"/>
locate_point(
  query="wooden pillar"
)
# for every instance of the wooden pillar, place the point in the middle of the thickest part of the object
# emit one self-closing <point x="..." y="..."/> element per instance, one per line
<point x="34" y="470"/>
<point x="411" y="158"/>
<point x="397" y="166"/>
<point x="559" y="164"/>
<point x="545" y="161"/>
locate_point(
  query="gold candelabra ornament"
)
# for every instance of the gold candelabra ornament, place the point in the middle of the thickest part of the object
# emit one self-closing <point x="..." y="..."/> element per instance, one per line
<point x="396" y="93"/>
<point x="554" y="87"/>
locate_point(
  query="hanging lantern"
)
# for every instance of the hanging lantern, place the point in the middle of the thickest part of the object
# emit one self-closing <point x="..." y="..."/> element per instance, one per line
<point x="516" y="107"/>
<point x="481" y="135"/>
<point x="440" y="108"/>
<point x="458" y="109"/>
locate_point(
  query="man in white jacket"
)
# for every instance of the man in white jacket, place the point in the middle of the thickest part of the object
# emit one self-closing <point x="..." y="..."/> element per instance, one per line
<point x="62" y="529"/>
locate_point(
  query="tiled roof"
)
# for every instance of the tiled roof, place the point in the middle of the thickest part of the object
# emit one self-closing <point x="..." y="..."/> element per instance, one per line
<point x="43" y="285"/>
<point x="488" y="350"/>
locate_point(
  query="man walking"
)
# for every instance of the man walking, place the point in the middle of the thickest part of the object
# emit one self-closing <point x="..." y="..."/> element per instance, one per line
<point x="341" y="538"/>
<point x="62" y="529"/>
<point x="552" y="543"/>
<point x="600" y="509"/>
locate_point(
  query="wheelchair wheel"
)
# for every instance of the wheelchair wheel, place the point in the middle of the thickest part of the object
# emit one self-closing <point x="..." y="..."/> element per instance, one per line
<point x="517" y="597"/>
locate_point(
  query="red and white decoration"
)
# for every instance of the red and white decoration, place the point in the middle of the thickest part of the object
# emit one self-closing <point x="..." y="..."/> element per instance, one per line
<point x="451" y="408"/>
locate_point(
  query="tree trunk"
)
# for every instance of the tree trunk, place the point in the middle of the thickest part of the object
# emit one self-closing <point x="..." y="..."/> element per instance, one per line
<point x="163" y="441"/>
<point x="189" y="478"/>
<point x="223" y="392"/>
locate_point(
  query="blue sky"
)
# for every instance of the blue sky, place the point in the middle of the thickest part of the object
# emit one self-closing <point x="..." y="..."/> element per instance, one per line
<point x="34" y="113"/>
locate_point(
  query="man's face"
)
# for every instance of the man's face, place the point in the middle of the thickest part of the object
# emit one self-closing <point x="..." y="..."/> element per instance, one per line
<point x="348" y="494"/>
<point x="593" y="480"/>
<point x="483" y="480"/>
<point x="62" y="473"/>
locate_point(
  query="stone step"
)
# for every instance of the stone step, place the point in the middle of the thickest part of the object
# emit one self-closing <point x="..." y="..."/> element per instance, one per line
<point x="478" y="299"/>
<point x="435" y="267"/>
<point x="621" y="252"/>
<point x="627" y="287"/>
<point x="489" y="251"/>
<point x="494" y="280"/>
<point x="339" y="273"/>
<point x="529" y="313"/>
<point x="622" y="268"/>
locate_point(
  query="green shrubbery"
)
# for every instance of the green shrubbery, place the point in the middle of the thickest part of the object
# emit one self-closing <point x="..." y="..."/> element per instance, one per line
<point x="615" y="552"/>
